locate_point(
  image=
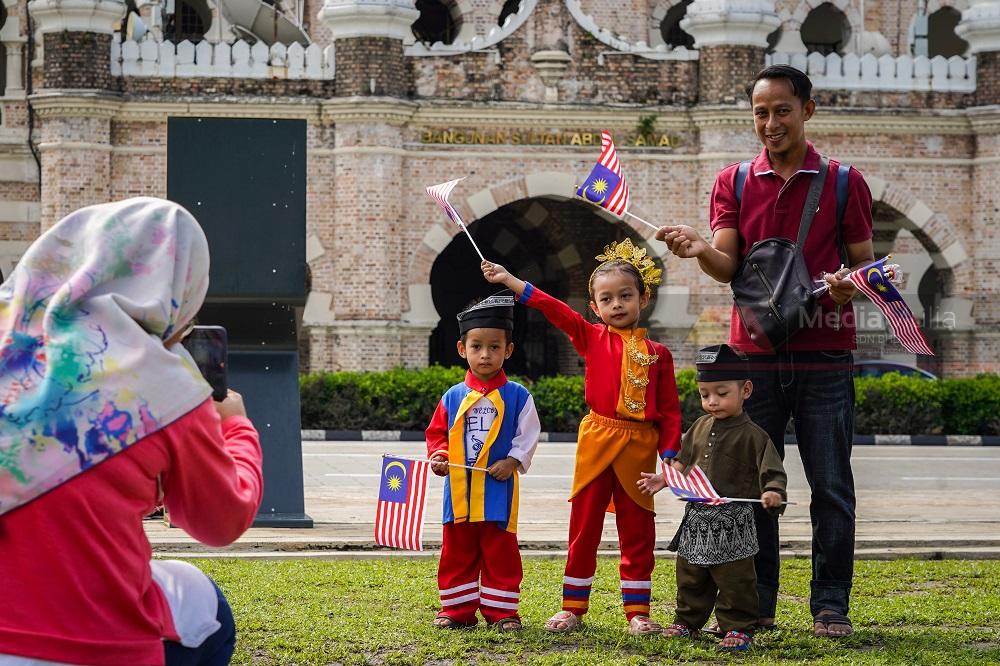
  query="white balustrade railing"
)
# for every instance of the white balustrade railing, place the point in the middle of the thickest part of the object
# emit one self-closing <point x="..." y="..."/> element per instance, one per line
<point x="150" y="58"/>
<point x="899" y="73"/>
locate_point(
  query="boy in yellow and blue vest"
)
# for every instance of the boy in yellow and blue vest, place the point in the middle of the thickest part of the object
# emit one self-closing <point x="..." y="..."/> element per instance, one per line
<point x="489" y="423"/>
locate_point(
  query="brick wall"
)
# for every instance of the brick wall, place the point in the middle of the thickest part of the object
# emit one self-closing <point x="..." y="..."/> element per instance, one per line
<point x="724" y="71"/>
<point x="364" y="60"/>
<point x="206" y="87"/>
<point x="77" y="60"/>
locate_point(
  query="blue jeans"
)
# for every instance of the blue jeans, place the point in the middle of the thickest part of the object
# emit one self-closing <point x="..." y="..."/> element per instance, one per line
<point x="816" y="389"/>
<point x="216" y="650"/>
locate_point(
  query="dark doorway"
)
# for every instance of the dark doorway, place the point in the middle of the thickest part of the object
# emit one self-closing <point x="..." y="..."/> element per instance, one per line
<point x="547" y="242"/>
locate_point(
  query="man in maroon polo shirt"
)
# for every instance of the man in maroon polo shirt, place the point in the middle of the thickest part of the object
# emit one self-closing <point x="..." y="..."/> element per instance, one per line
<point x="810" y="377"/>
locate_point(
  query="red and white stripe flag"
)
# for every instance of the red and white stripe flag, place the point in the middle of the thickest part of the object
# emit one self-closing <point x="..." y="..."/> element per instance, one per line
<point x="606" y="186"/>
<point x="440" y="194"/>
<point x="694" y="487"/>
<point x="399" y="517"/>
<point x="873" y="281"/>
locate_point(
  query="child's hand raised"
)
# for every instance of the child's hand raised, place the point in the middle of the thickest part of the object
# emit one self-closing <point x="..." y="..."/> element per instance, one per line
<point x="494" y="273"/>
<point x="650" y="484"/>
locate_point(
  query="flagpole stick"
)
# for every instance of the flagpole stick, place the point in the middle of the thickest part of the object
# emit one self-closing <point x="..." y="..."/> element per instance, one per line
<point x="639" y="219"/>
<point x="450" y="464"/>
<point x="735" y="499"/>
<point x="466" y="230"/>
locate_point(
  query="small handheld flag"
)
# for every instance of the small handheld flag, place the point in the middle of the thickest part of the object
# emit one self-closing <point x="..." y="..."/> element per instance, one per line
<point x="440" y="195"/>
<point x="872" y="280"/>
<point x="606" y="185"/>
<point x="694" y="487"/>
<point x="399" y="516"/>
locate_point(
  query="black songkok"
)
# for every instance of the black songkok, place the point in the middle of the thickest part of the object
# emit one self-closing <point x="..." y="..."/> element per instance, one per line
<point x="720" y="363"/>
<point x="496" y="311"/>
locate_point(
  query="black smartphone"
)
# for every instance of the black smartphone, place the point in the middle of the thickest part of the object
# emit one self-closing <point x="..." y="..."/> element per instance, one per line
<point x="209" y="347"/>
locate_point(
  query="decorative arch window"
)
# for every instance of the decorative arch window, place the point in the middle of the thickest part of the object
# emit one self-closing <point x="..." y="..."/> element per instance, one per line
<point x="826" y="30"/>
<point x="509" y="7"/>
<point x="941" y="37"/>
<point x="190" y="21"/>
<point x="438" y="22"/>
<point x="670" y="27"/>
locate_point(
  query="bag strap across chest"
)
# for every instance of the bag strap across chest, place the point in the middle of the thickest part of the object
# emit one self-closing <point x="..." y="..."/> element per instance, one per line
<point x="843" y="174"/>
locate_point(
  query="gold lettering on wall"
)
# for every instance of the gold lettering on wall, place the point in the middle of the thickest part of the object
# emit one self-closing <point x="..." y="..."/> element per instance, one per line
<point x="517" y="137"/>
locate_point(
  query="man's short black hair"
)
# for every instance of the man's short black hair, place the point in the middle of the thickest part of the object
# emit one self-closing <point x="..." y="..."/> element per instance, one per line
<point x="801" y="85"/>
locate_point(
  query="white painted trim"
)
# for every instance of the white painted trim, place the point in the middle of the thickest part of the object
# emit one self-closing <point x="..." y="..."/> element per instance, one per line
<point x="903" y="73"/>
<point x="76" y="15"/>
<point x="477" y="42"/>
<point x="641" y="49"/>
<point x="389" y="18"/>
<point x="20" y="211"/>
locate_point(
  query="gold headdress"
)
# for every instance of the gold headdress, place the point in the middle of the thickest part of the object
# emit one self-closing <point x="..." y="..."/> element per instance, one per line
<point x="626" y="251"/>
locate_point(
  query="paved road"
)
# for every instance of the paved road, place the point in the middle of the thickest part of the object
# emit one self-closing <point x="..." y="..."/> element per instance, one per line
<point x="912" y="501"/>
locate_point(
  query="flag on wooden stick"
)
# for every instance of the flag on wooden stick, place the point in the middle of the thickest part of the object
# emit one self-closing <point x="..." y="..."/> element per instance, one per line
<point x="399" y="517"/>
<point x="693" y="487"/>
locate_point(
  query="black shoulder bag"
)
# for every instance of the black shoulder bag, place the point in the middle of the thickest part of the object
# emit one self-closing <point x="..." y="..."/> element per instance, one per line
<point x="773" y="289"/>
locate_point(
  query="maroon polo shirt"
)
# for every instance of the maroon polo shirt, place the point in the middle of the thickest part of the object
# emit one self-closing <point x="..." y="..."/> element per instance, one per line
<point x="772" y="207"/>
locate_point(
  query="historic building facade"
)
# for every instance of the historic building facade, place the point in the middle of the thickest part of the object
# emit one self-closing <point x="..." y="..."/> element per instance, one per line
<point x="397" y="95"/>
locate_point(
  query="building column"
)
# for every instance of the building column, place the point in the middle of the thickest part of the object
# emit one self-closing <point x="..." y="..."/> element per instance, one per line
<point x="966" y="353"/>
<point x="731" y="37"/>
<point x="76" y="103"/>
<point x="355" y="319"/>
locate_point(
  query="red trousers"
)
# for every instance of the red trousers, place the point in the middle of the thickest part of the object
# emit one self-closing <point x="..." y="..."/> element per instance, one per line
<point x="636" y="539"/>
<point x="480" y="568"/>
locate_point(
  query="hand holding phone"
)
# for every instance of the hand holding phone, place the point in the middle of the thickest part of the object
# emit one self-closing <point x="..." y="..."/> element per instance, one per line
<point x="208" y="347"/>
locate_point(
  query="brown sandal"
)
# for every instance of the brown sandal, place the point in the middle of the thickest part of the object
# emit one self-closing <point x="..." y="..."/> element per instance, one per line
<point x="825" y="620"/>
<point x="445" y="622"/>
<point x="508" y="624"/>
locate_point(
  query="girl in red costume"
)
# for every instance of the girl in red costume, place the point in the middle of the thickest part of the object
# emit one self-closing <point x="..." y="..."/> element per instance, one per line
<point x="634" y="415"/>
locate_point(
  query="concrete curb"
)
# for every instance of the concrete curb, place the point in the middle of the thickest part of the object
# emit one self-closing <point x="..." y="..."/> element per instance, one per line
<point x="859" y="440"/>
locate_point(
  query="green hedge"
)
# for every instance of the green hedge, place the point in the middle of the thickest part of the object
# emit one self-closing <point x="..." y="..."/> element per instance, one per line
<point x="405" y="399"/>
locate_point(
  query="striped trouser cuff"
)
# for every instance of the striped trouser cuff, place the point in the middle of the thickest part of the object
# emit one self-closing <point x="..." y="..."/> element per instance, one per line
<point x="495" y="598"/>
<point x="576" y="594"/>
<point x="460" y="594"/>
<point x="635" y="596"/>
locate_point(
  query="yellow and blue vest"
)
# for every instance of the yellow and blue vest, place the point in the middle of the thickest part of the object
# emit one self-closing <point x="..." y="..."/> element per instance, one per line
<point x="475" y="496"/>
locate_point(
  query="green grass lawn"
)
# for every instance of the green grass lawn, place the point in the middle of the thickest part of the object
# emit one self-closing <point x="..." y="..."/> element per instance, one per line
<point x="379" y="612"/>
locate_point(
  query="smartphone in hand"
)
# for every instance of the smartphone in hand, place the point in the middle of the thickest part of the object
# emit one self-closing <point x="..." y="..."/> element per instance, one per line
<point x="209" y="347"/>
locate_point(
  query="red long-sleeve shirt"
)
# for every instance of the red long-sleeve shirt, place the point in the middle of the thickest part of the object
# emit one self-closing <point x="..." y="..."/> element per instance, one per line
<point x="75" y="582"/>
<point x="602" y="352"/>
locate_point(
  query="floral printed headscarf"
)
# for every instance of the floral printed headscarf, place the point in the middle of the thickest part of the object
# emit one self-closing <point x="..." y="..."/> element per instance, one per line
<point x="84" y="372"/>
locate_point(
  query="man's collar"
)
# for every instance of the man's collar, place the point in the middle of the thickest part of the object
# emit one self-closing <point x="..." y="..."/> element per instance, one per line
<point x="762" y="164"/>
<point x="476" y="384"/>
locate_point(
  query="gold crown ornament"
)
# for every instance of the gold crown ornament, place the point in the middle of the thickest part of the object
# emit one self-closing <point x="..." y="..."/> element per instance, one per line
<point x="626" y="251"/>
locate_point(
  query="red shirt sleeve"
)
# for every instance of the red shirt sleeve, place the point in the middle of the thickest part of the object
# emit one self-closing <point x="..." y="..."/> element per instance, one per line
<point x="858" y="212"/>
<point x="562" y="316"/>
<point x="437" y="433"/>
<point x="668" y="407"/>
<point x="724" y="211"/>
<point x="215" y="482"/>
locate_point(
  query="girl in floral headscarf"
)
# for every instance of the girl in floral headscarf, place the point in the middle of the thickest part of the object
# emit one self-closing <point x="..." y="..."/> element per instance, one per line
<point x="103" y="415"/>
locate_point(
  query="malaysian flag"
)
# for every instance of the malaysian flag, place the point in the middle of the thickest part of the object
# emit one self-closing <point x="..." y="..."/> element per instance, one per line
<point x="873" y="282"/>
<point x="399" y="518"/>
<point x="440" y="194"/>
<point x="606" y="186"/>
<point x="694" y="487"/>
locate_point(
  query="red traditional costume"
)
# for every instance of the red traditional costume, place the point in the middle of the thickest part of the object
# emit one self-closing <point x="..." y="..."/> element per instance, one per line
<point x="635" y="414"/>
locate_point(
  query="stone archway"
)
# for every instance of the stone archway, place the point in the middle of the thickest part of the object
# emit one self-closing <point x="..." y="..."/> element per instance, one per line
<point x="541" y="185"/>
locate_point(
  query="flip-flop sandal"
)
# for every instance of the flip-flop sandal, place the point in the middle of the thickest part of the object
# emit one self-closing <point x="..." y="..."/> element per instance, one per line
<point x="640" y="625"/>
<point x="445" y="622"/>
<point x="746" y="640"/>
<point x="680" y="631"/>
<point x="825" y="618"/>
<point x="570" y="621"/>
<point x="508" y="624"/>
<point x="715" y="630"/>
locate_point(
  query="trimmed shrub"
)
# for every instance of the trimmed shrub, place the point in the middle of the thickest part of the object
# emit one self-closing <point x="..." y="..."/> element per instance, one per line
<point x="406" y="399"/>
